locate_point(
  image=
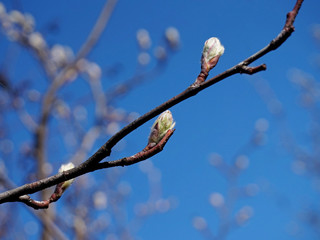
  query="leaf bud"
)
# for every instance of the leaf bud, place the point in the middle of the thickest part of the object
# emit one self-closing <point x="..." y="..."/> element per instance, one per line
<point x="211" y="53"/>
<point x="160" y="127"/>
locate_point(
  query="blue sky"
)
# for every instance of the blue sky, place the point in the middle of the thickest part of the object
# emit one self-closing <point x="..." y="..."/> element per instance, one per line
<point x="220" y="119"/>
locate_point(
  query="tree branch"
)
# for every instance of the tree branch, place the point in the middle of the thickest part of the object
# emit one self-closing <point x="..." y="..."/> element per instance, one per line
<point x="105" y="150"/>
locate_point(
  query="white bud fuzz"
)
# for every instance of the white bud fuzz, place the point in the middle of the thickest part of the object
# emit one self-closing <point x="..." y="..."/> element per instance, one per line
<point x="161" y="126"/>
<point x="66" y="167"/>
<point x="173" y="37"/>
<point x="211" y="53"/>
<point x="212" y="48"/>
<point x="36" y="40"/>
<point x="143" y="39"/>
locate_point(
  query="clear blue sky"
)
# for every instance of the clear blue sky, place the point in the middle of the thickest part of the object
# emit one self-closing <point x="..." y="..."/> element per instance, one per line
<point x="221" y="119"/>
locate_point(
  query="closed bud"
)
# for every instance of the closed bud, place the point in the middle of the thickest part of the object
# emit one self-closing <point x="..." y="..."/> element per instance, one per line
<point x="211" y="53"/>
<point x="66" y="167"/>
<point x="161" y="126"/>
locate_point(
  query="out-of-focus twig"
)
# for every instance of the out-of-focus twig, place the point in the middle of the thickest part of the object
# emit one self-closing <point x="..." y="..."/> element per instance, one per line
<point x="225" y="203"/>
<point x="98" y="28"/>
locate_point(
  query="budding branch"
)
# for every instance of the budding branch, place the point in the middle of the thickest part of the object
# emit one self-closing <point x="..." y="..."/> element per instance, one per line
<point x="94" y="162"/>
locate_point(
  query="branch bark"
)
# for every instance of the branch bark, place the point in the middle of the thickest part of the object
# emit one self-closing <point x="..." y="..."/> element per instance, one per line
<point x="93" y="163"/>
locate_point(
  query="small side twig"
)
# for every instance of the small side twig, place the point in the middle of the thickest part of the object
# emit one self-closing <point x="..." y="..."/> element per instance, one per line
<point x="146" y="153"/>
<point x="34" y="203"/>
<point x="44" y="204"/>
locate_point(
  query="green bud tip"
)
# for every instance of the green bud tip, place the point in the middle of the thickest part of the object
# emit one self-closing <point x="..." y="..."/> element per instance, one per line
<point x="212" y="49"/>
<point x="160" y="127"/>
